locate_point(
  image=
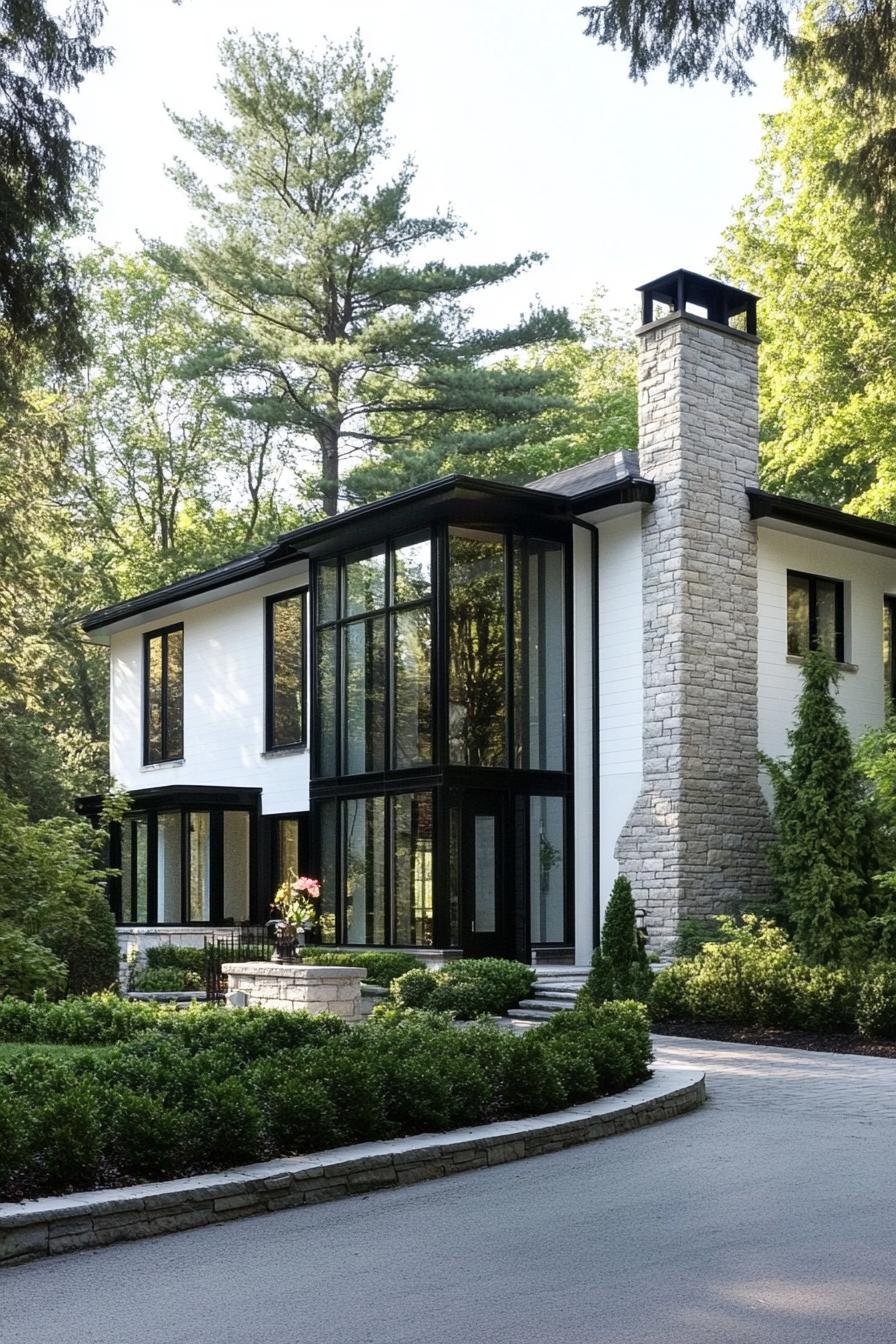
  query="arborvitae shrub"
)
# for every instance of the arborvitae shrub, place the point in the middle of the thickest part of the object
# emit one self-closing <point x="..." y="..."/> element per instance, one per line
<point x="619" y="966"/>
<point x="823" y="857"/>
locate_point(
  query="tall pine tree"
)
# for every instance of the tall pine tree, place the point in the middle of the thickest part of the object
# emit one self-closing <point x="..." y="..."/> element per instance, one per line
<point x="327" y="321"/>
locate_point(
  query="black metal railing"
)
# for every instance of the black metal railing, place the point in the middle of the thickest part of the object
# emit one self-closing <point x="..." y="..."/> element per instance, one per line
<point x="245" y="943"/>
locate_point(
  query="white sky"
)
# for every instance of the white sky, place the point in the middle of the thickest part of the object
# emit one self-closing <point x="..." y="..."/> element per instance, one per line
<point x="532" y="132"/>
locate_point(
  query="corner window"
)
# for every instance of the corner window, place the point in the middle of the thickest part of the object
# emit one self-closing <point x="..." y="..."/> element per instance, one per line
<point x="163" y="671"/>
<point x="286" y="671"/>
<point x="815" y="610"/>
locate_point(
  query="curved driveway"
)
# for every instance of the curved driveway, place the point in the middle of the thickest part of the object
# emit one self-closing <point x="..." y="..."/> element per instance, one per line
<point x="769" y="1215"/>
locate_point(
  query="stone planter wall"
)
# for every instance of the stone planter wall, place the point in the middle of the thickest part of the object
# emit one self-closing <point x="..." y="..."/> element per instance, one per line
<point x="295" y="989"/>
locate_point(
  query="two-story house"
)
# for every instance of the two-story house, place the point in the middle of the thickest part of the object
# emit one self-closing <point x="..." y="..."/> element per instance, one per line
<point x="467" y="706"/>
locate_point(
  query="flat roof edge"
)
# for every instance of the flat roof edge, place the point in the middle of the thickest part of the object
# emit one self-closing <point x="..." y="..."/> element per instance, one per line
<point x="822" y="518"/>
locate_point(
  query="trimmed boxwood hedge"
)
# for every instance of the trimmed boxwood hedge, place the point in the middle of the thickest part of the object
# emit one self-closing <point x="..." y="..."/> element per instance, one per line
<point x="467" y="989"/>
<point x="207" y="1089"/>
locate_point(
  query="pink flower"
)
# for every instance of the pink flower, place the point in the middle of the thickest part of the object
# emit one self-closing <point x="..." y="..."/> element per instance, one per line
<point x="309" y="885"/>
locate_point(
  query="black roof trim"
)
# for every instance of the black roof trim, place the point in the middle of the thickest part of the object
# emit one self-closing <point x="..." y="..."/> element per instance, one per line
<point x="304" y="541"/>
<point x="328" y="534"/>
<point x="819" y="516"/>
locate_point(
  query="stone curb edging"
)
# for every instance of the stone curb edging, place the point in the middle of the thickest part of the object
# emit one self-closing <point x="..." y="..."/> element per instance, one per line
<point x="57" y="1224"/>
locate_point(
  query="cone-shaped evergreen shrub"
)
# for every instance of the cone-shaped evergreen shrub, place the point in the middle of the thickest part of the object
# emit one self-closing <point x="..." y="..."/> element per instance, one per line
<point x="822" y="859"/>
<point x="619" y="968"/>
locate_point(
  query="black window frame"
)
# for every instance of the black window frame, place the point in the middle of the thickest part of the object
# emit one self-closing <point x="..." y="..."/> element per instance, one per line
<point x="839" y="611"/>
<point x="270" y="602"/>
<point x="163" y="633"/>
<point x="890" y="691"/>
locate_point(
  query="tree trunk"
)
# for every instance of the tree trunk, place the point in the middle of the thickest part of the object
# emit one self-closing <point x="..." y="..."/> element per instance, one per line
<point x="329" y="461"/>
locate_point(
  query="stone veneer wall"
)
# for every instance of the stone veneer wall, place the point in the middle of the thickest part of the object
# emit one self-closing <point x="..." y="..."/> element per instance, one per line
<point x="295" y="988"/>
<point x="693" y="844"/>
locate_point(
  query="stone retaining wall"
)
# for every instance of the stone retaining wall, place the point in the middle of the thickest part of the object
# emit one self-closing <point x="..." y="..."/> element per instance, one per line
<point x="53" y="1226"/>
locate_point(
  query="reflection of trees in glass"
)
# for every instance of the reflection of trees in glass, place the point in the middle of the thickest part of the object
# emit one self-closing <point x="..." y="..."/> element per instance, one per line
<point x="412" y="687"/>
<point x="365" y="696"/>
<point x="413" y="566"/>
<point x="412" y="866"/>
<point x="476" y="654"/>
<point x="365" y="583"/>
<point x="287" y="652"/>
<point x="364" y="870"/>
<point x="546" y="878"/>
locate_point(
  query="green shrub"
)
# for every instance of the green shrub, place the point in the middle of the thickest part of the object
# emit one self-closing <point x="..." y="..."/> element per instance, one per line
<point x="168" y="956"/>
<point x="210" y="1088"/>
<point x="381" y="968"/>
<point x="27" y="965"/>
<point x="158" y="979"/>
<point x="619" y="966"/>
<point x="466" y="988"/>
<point x="876" y="1007"/>
<point x="89" y="948"/>
<point x="756" y="979"/>
<point x="692" y="934"/>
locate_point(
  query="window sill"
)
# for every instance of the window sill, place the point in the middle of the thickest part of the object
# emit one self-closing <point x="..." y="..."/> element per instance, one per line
<point x="163" y="765"/>
<point x="797" y="660"/>
<point x="273" y="752"/>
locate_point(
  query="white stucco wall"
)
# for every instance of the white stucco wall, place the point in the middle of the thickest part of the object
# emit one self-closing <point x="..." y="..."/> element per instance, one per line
<point x="620" y="644"/>
<point x="223" y="702"/>
<point x="867" y="575"/>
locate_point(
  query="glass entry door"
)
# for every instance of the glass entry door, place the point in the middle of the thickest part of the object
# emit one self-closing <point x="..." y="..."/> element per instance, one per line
<point x="483" y="920"/>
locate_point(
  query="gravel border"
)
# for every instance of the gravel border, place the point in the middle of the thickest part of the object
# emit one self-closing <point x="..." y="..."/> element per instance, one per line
<point x="52" y="1226"/>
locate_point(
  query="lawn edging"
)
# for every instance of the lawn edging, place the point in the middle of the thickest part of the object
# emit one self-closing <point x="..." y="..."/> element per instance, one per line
<point x="54" y="1225"/>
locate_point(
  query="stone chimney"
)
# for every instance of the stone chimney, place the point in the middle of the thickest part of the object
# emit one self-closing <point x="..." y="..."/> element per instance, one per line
<point x="694" y="842"/>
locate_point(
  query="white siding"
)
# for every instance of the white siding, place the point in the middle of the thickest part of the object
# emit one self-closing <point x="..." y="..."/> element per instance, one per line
<point x="621" y="659"/>
<point x="223" y="703"/>
<point x="867" y="576"/>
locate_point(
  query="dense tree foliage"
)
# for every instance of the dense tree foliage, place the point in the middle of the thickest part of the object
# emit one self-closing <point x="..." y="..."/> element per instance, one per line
<point x="328" y="320"/>
<point x="42" y="173"/>
<point x="588" y="406"/>
<point x="826" y="272"/>
<point x="699" y="39"/>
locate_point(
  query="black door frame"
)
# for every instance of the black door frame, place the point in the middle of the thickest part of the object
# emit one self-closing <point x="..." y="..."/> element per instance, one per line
<point x="475" y="942"/>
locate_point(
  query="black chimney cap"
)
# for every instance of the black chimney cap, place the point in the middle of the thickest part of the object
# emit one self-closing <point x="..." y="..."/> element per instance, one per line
<point x="678" y="289"/>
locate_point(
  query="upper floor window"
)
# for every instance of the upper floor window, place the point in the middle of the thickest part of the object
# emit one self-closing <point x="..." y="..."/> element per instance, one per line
<point x="286" y="708"/>
<point x="890" y="654"/>
<point x="163" y="672"/>
<point x="374" y="659"/>
<point x="815" y="610"/>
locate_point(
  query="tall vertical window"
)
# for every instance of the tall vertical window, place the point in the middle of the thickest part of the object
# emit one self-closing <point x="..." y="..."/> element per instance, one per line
<point x="546" y="884"/>
<point x="286" y="670"/>
<point x="539" y="692"/>
<point x="815" y="615"/>
<point x="890" y="655"/>
<point x="163" y="655"/>
<point x="477" y="658"/>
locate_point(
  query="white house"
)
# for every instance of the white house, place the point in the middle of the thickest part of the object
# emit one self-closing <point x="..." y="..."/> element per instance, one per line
<point x="467" y="706"/>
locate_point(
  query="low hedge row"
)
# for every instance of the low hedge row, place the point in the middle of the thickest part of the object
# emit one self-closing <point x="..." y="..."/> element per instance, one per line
<point x="756" y="979"/>
<point x="168" y="1103"/>
<point x="381" y="967"/>
<point x="467" y="989"/>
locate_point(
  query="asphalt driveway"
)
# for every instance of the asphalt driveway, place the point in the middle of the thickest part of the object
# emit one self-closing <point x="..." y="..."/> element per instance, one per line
<point x="769" y="1215"/>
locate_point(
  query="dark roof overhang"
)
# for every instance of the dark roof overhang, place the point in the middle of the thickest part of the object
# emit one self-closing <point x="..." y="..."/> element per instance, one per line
<point x="783" y="509"/>
<point x="458" y="497"/>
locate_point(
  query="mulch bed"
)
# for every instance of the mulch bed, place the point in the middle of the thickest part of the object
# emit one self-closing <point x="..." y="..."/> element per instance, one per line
<point x="832" y="1043"/>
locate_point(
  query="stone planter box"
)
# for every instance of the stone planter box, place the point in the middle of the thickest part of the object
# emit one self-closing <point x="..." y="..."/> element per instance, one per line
<point x="295" y="988"/>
